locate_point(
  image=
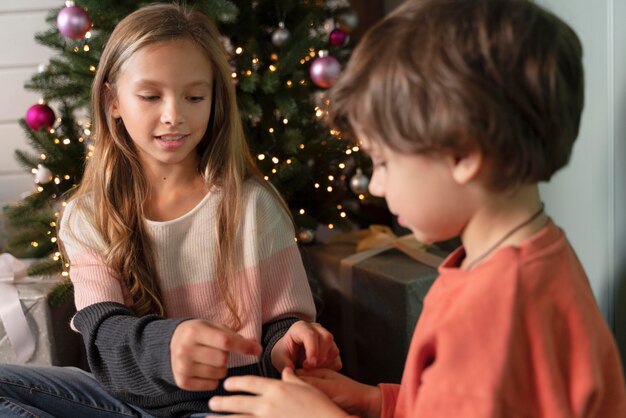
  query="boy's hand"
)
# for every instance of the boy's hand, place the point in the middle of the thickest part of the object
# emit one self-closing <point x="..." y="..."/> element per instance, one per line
<point x="308" y="345"/>
<point x="199" y="353"/>
<point x="271" y="398"/>
<point x="352" y="396"/>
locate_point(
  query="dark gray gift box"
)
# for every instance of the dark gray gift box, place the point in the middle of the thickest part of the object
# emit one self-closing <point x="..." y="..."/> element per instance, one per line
<point x="372" y="312"/>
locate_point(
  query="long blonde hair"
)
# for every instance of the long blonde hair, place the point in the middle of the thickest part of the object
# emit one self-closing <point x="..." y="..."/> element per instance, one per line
<point x="114" y="179"/>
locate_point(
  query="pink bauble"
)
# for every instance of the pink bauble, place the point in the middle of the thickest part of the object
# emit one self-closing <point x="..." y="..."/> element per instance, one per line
<point x="325" y="71"/>
<point x="73" y="22"/>
<point x="337" y="37"/>
<point x="39" y="116"/>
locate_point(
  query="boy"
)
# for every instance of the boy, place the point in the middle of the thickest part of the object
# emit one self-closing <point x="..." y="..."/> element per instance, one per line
<point x="464" y="106"/>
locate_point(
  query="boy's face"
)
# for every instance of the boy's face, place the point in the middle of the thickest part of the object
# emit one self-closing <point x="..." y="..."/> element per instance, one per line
<point x="163" y="95"/>
<point x="419" y="189"/>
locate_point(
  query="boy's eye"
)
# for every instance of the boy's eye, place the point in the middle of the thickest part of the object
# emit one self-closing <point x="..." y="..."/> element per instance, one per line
<point x="195" y="99"/>
<point x="148" y="98"/>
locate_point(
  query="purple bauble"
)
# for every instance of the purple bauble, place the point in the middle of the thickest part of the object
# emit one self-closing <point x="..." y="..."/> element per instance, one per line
<point x="337" y="37"/>
<point x="325" y="71"/>
<point x="73" y="22"/>
<point x="39" y="116"/>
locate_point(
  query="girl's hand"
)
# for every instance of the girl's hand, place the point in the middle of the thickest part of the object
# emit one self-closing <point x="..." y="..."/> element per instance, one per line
<point x="286" y="398"/>
<point x="354" y="397"/>
<point x="199" y="353"/>
<point x="308" y="345"/>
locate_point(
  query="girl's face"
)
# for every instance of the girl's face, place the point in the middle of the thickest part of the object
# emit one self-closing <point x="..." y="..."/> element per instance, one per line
<point x="163" y="95"/>
<point x="420" y="189"/>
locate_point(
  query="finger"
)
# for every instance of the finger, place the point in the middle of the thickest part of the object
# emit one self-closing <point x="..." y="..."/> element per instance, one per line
<point x="309" y="339"/>
<point x="289" y="376"/>
<point x="241" y="404"/>
<point x="326" y="343"/>
<point x="317" y="373"/>
<point x="227" y="340"/>
<point x="252" y="384"/>
<point x="201" y="354"/>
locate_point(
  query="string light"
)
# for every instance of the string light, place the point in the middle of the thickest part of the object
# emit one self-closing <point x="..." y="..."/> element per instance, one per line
<point x="86" y="48"/>
<point x="302" y="212"/>
<point x="272" y="67"/>
<point x="239" y="50"/>
<point x="92" y="68"/>
<point x="271" y="130"/>
<point x="275" y="160"/>
<point x="261" y="157"/>
<point x="331" y="226"/>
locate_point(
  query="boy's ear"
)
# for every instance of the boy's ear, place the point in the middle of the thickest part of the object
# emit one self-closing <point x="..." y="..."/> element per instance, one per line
<point x="466" y="166"/>
<point x="111" y="100"/>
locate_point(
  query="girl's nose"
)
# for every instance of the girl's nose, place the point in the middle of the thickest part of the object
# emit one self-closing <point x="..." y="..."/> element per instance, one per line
<point x="172" y="113"/>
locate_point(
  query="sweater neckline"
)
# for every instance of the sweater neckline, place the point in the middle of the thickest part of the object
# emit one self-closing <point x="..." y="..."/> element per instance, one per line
<point x="190" y="213"/>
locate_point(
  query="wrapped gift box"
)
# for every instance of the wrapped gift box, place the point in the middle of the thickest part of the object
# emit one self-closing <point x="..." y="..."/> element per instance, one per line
<point x="372" y="312"/>
<point x="55" y="342"/>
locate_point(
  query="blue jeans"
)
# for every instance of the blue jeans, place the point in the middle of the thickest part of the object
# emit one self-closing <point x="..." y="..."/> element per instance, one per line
<point x="59" y="392"/>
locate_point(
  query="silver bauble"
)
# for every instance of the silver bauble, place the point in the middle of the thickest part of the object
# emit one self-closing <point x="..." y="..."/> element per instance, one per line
<point x="280" y="35"/>
<point x="359" y="182"/>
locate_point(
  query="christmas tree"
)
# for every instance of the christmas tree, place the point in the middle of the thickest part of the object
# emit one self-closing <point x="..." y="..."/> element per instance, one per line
<point x="283" y="53"/>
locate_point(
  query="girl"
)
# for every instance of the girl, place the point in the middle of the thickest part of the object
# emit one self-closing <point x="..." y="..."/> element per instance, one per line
<point x="182" y="257"/>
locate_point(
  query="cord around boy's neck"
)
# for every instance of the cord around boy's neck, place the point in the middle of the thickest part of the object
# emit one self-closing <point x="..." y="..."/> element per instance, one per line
<point x="506" y="236"/>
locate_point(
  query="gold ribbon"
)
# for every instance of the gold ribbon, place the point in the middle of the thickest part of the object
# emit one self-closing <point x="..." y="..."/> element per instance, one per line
<point x="380" y="238"/>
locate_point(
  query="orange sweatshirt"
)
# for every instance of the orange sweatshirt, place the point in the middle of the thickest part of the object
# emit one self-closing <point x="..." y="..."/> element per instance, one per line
<point x="520" y="335"/>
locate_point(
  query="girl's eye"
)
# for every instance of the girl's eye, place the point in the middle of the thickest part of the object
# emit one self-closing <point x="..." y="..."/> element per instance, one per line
<point x="148" y="98"/>
<point x="195" y="99"/>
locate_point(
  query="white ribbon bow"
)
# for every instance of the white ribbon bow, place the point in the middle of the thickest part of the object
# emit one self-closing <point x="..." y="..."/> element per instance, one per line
<point x="11" y="313"/>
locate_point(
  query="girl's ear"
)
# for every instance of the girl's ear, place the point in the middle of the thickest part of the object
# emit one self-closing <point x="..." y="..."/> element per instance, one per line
<point x="466" y="167"/>
<point x="111" y="100"/>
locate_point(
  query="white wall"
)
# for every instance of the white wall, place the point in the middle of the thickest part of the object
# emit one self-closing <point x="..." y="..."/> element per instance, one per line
<point x="20" y="56"/>
<point x="588" y="198"/>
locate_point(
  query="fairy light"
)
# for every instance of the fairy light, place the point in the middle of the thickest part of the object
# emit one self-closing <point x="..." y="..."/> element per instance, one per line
<point x="34" y="171"/>
<point x="302" y="82"/>
<point x="249" y="73"/>
<point x="56" y="141"/>
<point x="355" y="149"/>
<point x="331" y="226"/>
<point x="239" y="50"/>
<point x="288" y="161"/>
<point x="331" y="177"/>
<point x="272" y="67"/>
<point x="275" y="160"/>
<point x="285" y="121"/>
<point x="86" y="48"/>
<point x="53" y="224"/>
<point x="289" y="83"/>
<point x="81" y="139"/>
<point x="329" y="189"/>
<point x="274" y="56"/>
<point x="348" y="151"/>
<point x="233" y="74"/>
<point x="57" y="180"/>
<point x="301" y="146"/>
<point x="40" y="189"/>
<point x="76" y="49"/>
<point x="261" y="157"/>
<point x="312" y="54"/>
<point x="87" y="131"/>
<point x="88" y="35"/>
<point x="302" y="212"/>
<point x="317" y="185"/>
<point x="53" y="239"/>
<point x="92" y="68"/>
<point x="255" y="60"/>
<point x="66" y="141"/>
<point x="65" y="274"/>
<point x="271" y="130"/>
<point x="361" y="197"/>
<point x="266" y="178"/>
<point x="66" y="177"/>
<point x="34" y="244"/>
<point x="342" y="165"/>
<point x="42" y="156"/>
<point x="274" y="171"/>
<point x="302" y="61"/>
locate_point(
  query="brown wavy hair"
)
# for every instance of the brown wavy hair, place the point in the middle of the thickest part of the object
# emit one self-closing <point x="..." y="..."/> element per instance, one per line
<point x="504" y="77"/>
<point x="114" y="181"/>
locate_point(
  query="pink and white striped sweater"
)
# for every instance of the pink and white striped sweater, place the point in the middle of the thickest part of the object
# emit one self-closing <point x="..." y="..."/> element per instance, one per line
<point x="271" y="285"/>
